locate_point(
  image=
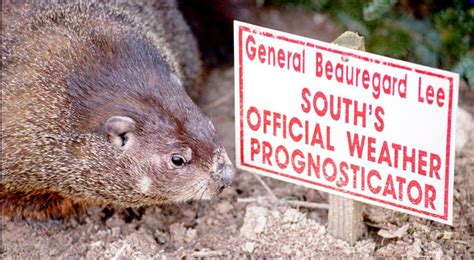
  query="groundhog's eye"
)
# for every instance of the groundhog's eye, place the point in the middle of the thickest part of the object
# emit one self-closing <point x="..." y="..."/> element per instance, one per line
<point x="178" y="160"/>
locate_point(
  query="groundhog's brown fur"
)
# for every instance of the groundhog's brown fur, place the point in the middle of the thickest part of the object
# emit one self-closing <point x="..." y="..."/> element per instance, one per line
<point x="94" y="109"/>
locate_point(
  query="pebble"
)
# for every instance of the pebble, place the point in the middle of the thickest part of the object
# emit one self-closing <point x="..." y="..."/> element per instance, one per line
<point x="255" y="220"/>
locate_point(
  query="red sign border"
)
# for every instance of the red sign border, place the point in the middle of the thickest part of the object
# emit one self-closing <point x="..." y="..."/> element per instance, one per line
<point x="243" y="28"/>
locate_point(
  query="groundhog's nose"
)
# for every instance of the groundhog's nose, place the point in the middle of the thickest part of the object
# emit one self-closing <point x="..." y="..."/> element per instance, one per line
<point x="225" y="175"/>
<point x="224" y="171"/>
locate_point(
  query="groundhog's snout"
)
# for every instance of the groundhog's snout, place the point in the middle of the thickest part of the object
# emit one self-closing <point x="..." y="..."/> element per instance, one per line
<point x="224" y="174"/>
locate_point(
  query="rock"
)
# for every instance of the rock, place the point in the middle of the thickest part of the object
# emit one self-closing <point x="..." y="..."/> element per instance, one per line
<point x="138" y="245"/>
<point x="190" y="237"/>
<point x="393" y="234"/>
<point x="249" y="247"/>
<point x="255" y="220"/>
<point x="291" y="216"/>
<point x="448" y="235"/>
<point x="142" y="241"/>
<point x="189" y="213"/>
<point x="438" y="253"/>
<point x="417" y="248"/>
<point x="178" y="233"/>
<point x="224" y="207"/>
<point x="161" y="237"/>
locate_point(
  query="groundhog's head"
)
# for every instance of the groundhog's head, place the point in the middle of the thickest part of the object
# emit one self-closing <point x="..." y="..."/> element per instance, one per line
<point x="168" y="148"/>
<point x="161" y="147"/>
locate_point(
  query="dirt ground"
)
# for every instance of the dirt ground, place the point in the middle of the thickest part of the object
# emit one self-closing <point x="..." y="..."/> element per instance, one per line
<point x="245" y="220"/>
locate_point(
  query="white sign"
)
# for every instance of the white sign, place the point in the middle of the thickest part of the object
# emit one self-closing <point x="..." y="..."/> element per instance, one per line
<point x="351" y="123"/>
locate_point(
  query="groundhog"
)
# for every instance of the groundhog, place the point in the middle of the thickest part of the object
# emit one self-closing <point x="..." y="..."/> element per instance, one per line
<point x="95" y="109"/>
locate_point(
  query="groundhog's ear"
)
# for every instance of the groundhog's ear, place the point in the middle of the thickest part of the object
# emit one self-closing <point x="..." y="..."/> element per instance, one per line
<point x="120" y="130"/>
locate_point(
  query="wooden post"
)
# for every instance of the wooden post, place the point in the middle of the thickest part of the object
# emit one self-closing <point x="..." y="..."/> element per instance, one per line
<point x="345" y="215"/>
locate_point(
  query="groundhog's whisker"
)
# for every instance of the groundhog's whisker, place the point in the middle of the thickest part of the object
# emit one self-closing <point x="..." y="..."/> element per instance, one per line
<point x="202" y="187"/>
